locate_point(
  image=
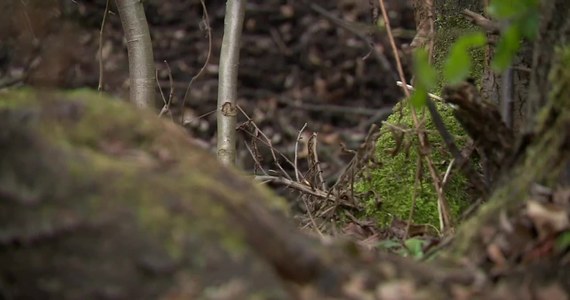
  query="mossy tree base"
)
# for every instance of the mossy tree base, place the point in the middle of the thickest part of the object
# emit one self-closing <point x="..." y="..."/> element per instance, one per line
<point x="394" y="180"/>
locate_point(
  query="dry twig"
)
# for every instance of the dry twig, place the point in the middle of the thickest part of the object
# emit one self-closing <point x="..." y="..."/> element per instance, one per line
<point x="481" y="21"/>
<point x="209" y="32"/>
<point x="379" y="56"/>
<point x="166" y="106"/>
<point x="297" y="151"/>
<point x="101" y="31"/>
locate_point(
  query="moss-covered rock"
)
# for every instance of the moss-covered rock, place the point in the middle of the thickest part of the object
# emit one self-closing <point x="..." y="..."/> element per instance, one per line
<point x="393" y="180"/>
<point x="99" y="200"/>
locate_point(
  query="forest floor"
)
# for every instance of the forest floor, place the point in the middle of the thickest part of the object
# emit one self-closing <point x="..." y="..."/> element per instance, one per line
<point x="305" y="67"/>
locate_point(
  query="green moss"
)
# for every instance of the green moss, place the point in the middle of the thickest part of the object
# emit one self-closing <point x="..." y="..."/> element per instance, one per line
<point x="449" y="28"/>
<point x="115" y="137"/>
<point x="393" y="181"/>
<point x="94" y="127"/>
<point x="16" y="97"/>
<point x="126" y="197"/>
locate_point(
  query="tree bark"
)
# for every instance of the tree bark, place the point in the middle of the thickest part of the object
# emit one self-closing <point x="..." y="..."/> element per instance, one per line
<point x="227" y="88"/>
<point x="139" y="47"/>
<point x="451" y="24"/>
<point x="554" y="32"/>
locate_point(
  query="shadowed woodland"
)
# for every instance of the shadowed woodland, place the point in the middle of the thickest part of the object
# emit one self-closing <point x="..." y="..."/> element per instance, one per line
<point x="101" y="199"/>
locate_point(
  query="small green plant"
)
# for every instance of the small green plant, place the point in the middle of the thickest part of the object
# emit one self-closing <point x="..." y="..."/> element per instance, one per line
<point x="415" y="247"/>
<point x="412" y="247"/>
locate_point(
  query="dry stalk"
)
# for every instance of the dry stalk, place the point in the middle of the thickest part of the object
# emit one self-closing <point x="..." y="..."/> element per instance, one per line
<point x="297" y="173"/>
<point x="101" y="31"/>
<point x="206" y="22"/>
<point x="166" y="107"/>
<point x="268" y="143"/>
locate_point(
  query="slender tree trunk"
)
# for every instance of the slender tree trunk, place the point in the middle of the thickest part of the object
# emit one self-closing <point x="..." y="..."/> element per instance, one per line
<point x="141" y="59"/>
<point x="227" y="88"/>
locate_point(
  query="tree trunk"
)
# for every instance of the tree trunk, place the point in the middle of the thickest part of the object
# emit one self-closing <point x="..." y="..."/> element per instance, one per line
<point x="554" y="32"/>
<point x="450" y="24"/>
<point x="226" y="113"/>
<point x="142" y="78"/>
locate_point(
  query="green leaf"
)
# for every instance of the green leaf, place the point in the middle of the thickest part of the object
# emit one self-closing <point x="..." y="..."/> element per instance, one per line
<point x="415" y="247"/>
<point x="505" y="9"/>
<point x="457" y="66"/>
<point x="458" y="63"/>
<point x="419" y="97"/>
<point x="389" y="244"/>
<point x="509" y="9"/>
<point x="523" y="14"/>
<point x="426" y="75"/>
<point x="529" y="25"/>
<point x="507" y="48"/>
<point x="471" y="40"/>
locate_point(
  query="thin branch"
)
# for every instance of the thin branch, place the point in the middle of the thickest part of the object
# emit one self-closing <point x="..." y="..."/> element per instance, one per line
<point x="296" y="185"/>
<point x="482" y="22"/>
<point x="312" y="219"/>
<point x="297" y="151"/>
<point x="101" y="31"/>
<point x="256" y="161"/>
<point x="29" y="22"/>
<point x="270" y="145"/>
<point x="209" y="32"/>
<point x="166" y="107"/>
<point x="447" y="172"/>
<point x="380" y="57"/>
<point x="411" y="88"/>
<point x="313" y="159"/>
